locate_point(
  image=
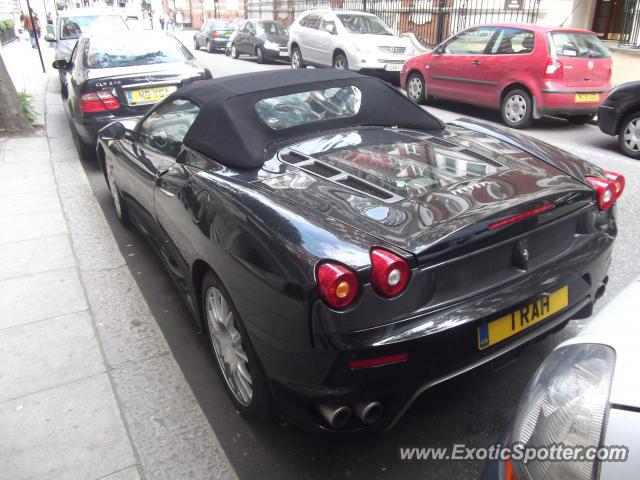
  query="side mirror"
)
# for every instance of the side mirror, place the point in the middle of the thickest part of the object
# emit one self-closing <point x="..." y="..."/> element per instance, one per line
<point x="438" y="50"/>
<point x="61" y="64"/>
<point x="118" y="130"/>
<point x="330" y="27"/>
<point x="50" y="38"/>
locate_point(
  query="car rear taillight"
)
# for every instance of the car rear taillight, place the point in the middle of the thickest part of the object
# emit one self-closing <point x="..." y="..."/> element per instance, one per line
<point x="609" y="189"/>
<point x="379" y="361"/>
<point x="521" y="216"/>
<point x="389" y="273"/>
<point x="100" y="101"/>
<point x="337" y="285"/>
<point x="215" y="34"/>
<point x="609" y="71"/>
<point x="553" y="69"/>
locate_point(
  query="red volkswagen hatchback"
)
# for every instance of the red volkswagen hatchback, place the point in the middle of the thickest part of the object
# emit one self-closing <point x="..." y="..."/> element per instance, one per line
<point x="526" y="71"/>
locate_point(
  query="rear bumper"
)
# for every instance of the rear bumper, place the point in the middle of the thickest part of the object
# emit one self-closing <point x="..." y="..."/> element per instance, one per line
<point x="608" y="119"/>
<point x="435" y="355"/>
<point x="563" y="101"/>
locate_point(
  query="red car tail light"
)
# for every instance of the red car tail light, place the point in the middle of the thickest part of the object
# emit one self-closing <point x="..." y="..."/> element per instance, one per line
<point x="389" y="273"/>
<point x="379" y="361"/>
<point x="337" y="285"/>
<point x="553" y="69"/>
<point x="520" y="216"/>
<point x="215" y="34"/>
<point x="100" y="101"/>
<point x="605" y="191"/>
<point x="618" y="180"/>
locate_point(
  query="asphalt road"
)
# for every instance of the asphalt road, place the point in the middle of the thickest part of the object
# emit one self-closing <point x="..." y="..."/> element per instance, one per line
<point x="473" y="409"/>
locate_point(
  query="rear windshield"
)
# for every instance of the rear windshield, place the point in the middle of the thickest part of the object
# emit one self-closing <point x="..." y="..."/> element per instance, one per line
<point x="74" y="27"/>
<point x="390" y="160"/>
<point x="581" y="45"/>
<point x="125" y="51"/>
<point x="221" y="25"/>
<point x="307" y="107"/>
<point x="272" y="28"/>
<point x="355" y="23"/>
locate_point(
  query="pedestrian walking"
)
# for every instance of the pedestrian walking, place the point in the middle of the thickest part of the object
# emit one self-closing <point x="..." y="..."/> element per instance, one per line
<point x="179" y="19"/>
<point x="29" y="26"/>
<point x="161" y="20"/>
<point x="49" y="19"/>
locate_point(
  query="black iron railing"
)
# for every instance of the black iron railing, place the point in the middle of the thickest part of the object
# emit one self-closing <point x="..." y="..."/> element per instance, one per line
<point x="430" y="20"/>
<point x="630" y="35"/>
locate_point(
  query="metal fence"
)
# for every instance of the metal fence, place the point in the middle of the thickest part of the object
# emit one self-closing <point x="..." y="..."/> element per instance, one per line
<point x="630" y="35"/>
<point x="430" y="20"/>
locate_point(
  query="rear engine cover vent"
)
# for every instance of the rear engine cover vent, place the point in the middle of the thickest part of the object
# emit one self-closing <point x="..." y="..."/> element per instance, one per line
<point x="294" y="157"/>
<point x="321" y="169"/>
<point x="442" y="142"/>
<point x="364" y="187"/>
<point x="479" y="156"/>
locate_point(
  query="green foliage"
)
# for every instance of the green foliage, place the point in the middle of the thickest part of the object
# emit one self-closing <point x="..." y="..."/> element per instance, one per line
<point x="6" y="25"/>
<point x="25" y="102"/>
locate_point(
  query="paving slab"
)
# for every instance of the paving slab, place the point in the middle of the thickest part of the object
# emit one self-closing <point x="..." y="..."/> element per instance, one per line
<point x="70" y="432"/>
<point x="173" y="439"/>
<point x="33" y="183"/>
<point x="48" y="353"/>
<point x="24" y="203"/>
<point x="28" y="257"/>
<point x="14" y="228"/>
<point x="130" y="473"/>
<point x="127" y="329"/>
<point x="34" y="148"/>
<point x="40" y="296"/>
<point x="93" y="242"/>
<point x="13" y="169"/>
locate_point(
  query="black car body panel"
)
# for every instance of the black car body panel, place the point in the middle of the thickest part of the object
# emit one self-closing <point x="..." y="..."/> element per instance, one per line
<point x="80" y="80"/>
<point x="264" y="230"/>
<point x="623" y="100"/>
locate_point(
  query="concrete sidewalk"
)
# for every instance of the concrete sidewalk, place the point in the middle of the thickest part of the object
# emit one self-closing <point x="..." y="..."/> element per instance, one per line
<point x="88" y="386"/>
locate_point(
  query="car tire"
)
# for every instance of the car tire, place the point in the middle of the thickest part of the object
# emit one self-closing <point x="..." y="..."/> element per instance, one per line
<point x="234" y="51"/>
<point x="237" y="362"/>
<point x="296" y="58"/>
<point x="116" y="197"/>
<point x="210" y="48"/>
<point x="629" y="135"/>
<point x="517" y="109"/>
<point x="340" y="62"/>
<point x="196" y="45"/>
<point x="416" y="88"/>
<point x="259" y="55"/>
<point x="580" y="119"/>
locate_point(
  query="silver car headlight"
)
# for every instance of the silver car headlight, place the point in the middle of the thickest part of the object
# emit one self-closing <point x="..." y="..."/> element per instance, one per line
<point x="565" y="403"/>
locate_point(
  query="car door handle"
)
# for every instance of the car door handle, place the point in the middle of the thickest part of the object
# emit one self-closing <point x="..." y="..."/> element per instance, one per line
<point x="476" y="62"/>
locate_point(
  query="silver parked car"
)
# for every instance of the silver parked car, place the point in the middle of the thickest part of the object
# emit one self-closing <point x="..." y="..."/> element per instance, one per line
<point x="73" y="23"/>
<point x="348" y="40"/>
<point x="585" y="395"/>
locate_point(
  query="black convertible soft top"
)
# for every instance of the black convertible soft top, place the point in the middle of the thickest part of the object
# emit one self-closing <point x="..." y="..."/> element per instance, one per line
<point x="228" y="129"/>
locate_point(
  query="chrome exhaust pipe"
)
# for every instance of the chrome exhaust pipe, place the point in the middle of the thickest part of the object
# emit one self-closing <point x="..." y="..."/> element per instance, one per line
<point x="336" y="417"/>
<point x="368" y="412"/>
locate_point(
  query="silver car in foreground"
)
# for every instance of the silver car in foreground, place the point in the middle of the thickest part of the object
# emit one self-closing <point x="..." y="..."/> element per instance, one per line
<point x="585" y="396"/>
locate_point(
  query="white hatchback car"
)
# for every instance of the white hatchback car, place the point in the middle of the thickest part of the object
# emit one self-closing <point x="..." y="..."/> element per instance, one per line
<point x="347" y="40"/>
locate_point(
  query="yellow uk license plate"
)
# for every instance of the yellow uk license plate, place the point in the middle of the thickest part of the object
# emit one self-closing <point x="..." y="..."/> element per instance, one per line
<point x="149" y="95"/>
<point x="587" y="97"/>
<point x="504" y="327"/>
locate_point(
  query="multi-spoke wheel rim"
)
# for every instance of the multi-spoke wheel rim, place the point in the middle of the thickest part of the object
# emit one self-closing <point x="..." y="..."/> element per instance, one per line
<point x="295" y="59"/>
<point x="414" y="88"/>
<point x="339" y="63"/>
<point x="114" y="193"/>
<point x="227" y="345"/>
<point x="516" y="108"/>
<point x="631" y="135"/>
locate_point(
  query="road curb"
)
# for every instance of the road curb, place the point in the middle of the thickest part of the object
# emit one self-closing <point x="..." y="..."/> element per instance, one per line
<point x="168" y="431"/>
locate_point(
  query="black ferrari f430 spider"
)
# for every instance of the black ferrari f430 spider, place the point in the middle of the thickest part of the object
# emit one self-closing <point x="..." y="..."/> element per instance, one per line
<point x="344" y="250"/>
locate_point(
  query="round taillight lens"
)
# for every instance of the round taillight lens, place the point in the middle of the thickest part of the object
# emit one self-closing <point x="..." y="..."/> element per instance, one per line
<point x="389" y="272"/>
<point x="337" y="285"/>
<point x="606" y="191"/>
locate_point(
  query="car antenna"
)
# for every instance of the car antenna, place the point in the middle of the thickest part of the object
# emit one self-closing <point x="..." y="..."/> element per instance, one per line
<point x="572" y="12"/>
